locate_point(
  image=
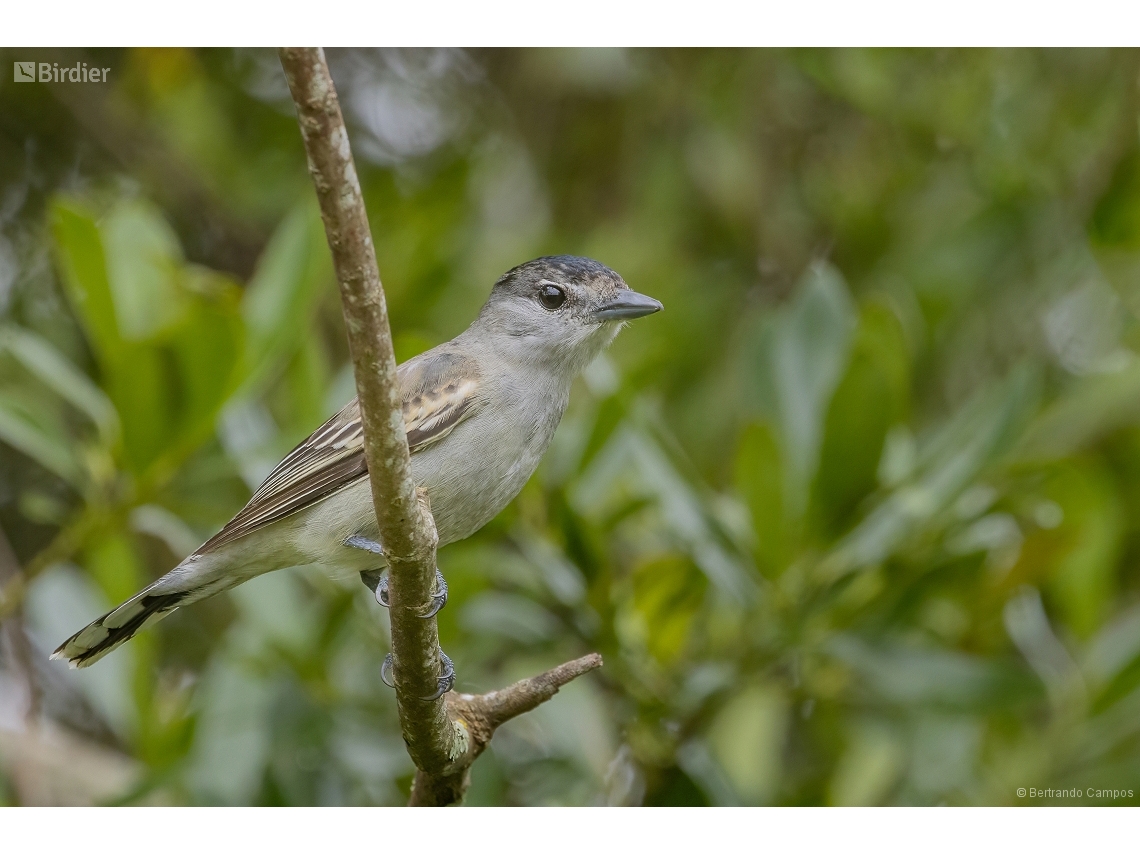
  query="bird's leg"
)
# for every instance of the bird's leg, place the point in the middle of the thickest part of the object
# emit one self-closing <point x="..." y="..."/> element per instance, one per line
<point x="359" y="541"/>
<point x="446" y="675"/>
<point x="372" y="579"/>
<point x="375" y="582"/>
<point x="378" y="583"/>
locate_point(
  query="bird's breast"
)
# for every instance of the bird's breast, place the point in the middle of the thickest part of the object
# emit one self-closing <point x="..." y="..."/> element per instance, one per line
<point x="475" y="471"/>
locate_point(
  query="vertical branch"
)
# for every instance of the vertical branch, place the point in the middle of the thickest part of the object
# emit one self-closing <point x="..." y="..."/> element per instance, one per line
<point x="445" y="735"/>
<point x="407" y="530"/>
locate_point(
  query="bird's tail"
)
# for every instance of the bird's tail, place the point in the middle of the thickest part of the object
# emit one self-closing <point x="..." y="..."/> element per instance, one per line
<point x="118" y="626"/>
<point x="201" y="575"/>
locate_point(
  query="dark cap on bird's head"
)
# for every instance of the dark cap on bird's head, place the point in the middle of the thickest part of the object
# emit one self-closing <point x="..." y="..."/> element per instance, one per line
<point x="563" y="307"/>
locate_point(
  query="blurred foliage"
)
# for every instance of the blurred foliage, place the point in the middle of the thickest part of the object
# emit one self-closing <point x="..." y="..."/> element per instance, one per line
<point x="856" y="520"/>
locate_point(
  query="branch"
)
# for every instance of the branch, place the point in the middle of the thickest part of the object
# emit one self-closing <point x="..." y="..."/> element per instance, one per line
<point x="482" y="715"/>
<point x="444" y="736"/>
<point x="406" y="527"/>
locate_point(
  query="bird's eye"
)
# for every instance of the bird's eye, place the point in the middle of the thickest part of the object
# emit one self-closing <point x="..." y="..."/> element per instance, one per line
<point x="552" y="297"/>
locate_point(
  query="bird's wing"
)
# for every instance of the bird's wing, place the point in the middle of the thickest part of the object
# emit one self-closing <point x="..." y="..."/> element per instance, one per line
<point x="439" y="388"/>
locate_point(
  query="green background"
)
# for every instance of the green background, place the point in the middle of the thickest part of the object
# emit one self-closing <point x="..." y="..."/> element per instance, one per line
<point x="855" y="520"/>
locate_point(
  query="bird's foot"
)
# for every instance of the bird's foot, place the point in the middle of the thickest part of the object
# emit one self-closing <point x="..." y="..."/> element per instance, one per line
<point x="372" y="579"/>
<point x="379" y="586"/>
<point x="446" y="675"/>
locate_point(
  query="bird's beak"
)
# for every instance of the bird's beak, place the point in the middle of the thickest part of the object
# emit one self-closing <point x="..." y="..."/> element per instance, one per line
<point x="626" y="306"/>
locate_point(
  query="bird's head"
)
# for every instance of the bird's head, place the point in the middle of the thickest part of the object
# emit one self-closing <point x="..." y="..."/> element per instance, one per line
<point x="561" y="310"/>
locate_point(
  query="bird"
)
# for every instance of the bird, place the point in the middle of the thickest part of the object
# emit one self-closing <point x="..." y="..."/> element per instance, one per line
<point x="479" y="413"/>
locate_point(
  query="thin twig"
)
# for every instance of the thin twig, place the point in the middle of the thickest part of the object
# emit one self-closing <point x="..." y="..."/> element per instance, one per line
<point x="443" y="736"/>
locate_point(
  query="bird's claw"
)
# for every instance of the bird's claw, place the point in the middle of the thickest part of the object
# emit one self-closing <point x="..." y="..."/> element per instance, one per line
<point x="438" y="597"/>
<point x="446" y="676"/>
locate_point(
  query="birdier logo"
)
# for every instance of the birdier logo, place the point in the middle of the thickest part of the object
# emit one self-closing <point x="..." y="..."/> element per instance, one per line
<point x="50" y="72"/>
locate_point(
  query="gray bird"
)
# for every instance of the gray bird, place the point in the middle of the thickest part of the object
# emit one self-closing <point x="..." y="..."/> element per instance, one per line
<point x="479" y="411"/>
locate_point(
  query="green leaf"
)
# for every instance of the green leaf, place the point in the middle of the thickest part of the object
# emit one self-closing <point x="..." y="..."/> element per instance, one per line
<point x="1086" y="411"/>
<point x="84" y="271"/>
<point x="306" y="377"/>
<point x="955" y="456"/>
<point x="114" y="563"/>
<point x="1116" y="220"/>
<point x="872" y="396"/>
<point x="633" y="466"/>
<point x="809" y="350"/>
<point x="169" y="336"/>
<point x="759" y="479"/>
<point x="233" y="738"/>
<point x="747" y="738"/>
<point x="869" y="767"/>
<point x="278" y="302"/>
<point x="1113" y="647"/>
<point x="144" y="390"/>
<point x="205" y="353"/>
<point x="667" y="593"/>
<point x="143" y="265"/>
<point x="169" y="391"/>
<point x="55" y="371"/>
<point x="1081" y="567"/>
<point x="27" y="431"/>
